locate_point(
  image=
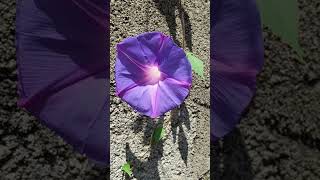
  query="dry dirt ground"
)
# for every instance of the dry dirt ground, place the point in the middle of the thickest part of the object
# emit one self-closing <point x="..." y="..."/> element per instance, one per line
<point x="278" y="138"/>
<point x="184" y="153"/>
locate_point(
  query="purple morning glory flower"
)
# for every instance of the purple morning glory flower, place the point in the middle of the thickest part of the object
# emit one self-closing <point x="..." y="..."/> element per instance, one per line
<point x="152" y="74"/>
<point x="62" y="48"/>
<point x="236" y="59"/>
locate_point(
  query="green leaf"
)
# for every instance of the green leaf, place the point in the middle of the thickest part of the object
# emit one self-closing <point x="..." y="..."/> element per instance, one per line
<point x="281" y="16"/>
<point x="157" y="134"/>
<point x="126" y="168"/>
<point x="196" y="64"/>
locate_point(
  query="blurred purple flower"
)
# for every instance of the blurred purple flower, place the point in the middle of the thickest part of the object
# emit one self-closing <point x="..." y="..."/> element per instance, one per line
<point x="62" y="48"/>
<point x="152" y="74"/>
<point x="236" y="59"/>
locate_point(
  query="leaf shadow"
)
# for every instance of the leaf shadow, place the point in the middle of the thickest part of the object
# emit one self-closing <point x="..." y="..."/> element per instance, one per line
<point x="231" y="154"/>
<point x="179" y="117"/>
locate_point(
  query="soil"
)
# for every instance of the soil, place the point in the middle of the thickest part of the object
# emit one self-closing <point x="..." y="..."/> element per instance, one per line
<point x="184" y="152"/>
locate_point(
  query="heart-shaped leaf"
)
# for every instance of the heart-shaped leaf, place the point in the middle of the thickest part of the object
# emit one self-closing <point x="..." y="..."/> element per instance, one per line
<point x="196" y="64"/>
<point x="126" y="168"/>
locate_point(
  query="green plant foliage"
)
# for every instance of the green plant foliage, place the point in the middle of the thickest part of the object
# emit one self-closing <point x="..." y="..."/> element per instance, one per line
<point x="196" y="64"/>
<point x="281" y="16"/>
<point x="126" y="168"/>
<point x="157" y="134"/>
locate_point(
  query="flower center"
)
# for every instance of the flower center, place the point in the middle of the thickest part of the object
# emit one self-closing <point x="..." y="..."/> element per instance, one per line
<point x="155" y="73"/>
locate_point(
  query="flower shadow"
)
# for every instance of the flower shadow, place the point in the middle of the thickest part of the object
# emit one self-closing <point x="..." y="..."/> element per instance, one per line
<point x="167" y="8"/>
<point x="231" y="154"/>
<point x="180" y="116"/>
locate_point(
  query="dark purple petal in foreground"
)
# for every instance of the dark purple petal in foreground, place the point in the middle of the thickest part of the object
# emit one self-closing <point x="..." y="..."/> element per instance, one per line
<point x="153" y="74"/>
<point x="62" y="54"/>
<point x="236" y="59"/>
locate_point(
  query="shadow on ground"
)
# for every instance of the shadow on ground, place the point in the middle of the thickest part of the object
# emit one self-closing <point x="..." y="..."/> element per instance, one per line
<point x="229" y="159"/>
<point x="168" y="8"/>
<point x="155" y="152"/>
<point x="179" y="116"/>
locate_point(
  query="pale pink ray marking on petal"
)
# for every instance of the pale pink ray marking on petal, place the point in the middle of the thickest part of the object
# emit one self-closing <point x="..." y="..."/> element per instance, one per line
<point x="144" y="53"/>
<point x="222" y="67"/>
<point x="141" y="66"/>
<point x="154" y="97"/>
<point x="167" y="54"/>
<point x="122" y="92"/>
<point x="168" y="94"/>
<point x="162" y="40"/>
<point x="97" y="8"/>
<point x="181" y="83"/>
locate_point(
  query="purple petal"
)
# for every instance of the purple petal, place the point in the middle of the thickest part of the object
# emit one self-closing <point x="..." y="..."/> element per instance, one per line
<point x="236" y="59"/>
<point x="63" y="72"/>
<point x="153" y="74"/>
